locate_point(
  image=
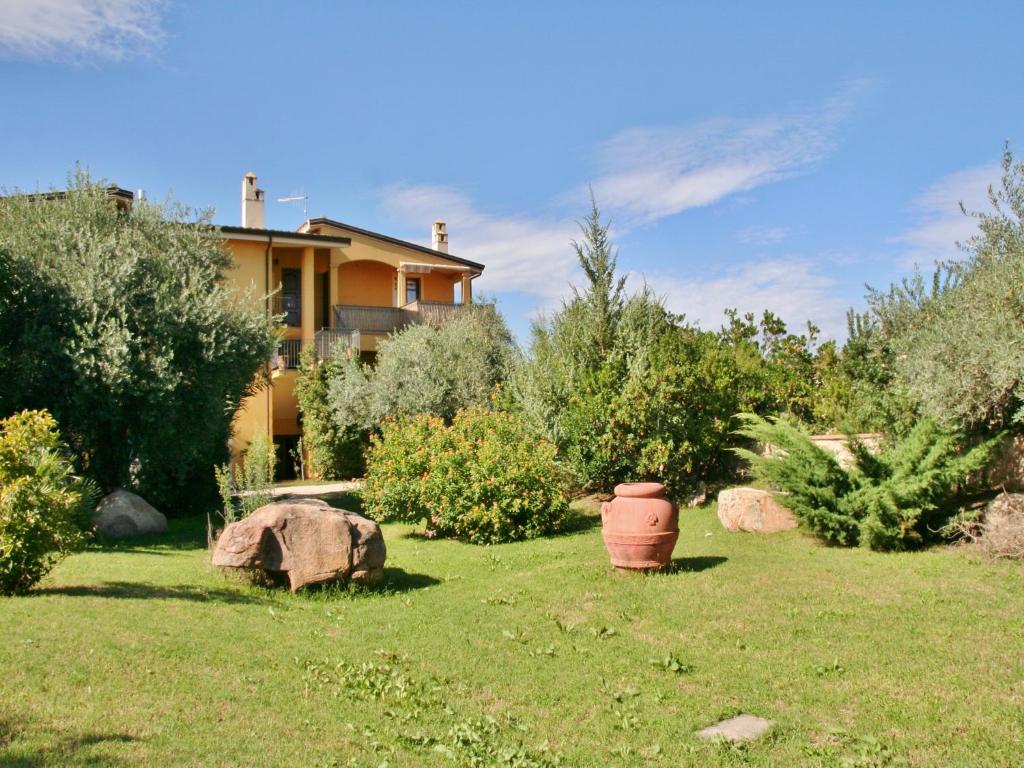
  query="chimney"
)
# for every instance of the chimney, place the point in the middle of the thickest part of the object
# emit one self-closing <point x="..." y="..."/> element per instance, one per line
<point x="252" y="203"/>
<point x="439" y="237"/>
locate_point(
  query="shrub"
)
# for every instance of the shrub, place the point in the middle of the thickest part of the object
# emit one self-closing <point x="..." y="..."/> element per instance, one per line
<point x="43" y="508"/>
<point x="897" y="500"/>
<point x="425" y="369"/>
<point x="397" y="461"/>
<point x="334" y="450"/>
<point x="998" y="532"/>
<point x="246" y="487"/>
<point x="484" y="479"/>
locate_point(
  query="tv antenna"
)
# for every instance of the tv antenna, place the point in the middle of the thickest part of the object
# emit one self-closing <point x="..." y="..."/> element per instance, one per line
<point x="294" y="199"/>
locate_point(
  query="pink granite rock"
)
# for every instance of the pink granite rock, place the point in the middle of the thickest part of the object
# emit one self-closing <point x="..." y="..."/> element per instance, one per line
<point x="753" y="510"/>
<point x="306" y="539"/>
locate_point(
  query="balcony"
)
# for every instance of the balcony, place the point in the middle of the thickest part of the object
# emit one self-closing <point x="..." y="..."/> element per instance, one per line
<point x="326" y="341"/>
<point x="359" y="328"/>
<point x="385" y="320"/>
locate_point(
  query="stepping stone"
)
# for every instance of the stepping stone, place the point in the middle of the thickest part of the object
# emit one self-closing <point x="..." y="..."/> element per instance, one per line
<point x="739" y="728"/>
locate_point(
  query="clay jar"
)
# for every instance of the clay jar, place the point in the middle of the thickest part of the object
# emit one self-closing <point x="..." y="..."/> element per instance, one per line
<point x="640" y="526"/>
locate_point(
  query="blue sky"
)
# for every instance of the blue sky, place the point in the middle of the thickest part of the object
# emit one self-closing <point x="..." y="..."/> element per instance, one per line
<point x="771" y="155"/>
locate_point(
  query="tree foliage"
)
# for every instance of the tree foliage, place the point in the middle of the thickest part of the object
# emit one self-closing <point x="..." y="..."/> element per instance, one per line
<point x="959" y="337"/>
<point x="424" y="369"/>
<point x="120" y="323"/>
<point x="630" y="392"/>
<point x="334" y="450"/>
<point x="896" y="500"/>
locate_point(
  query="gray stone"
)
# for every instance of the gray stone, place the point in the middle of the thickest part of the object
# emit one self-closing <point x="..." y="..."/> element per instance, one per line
<point x="122" y="514"/>
<point x="307" y="540"/>
<point x="739" y="728"/>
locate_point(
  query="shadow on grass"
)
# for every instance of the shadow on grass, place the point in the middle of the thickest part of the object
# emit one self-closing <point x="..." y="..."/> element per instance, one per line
<point x="397" y="580"/>
<point x="579" y="522"/>
<point x="182" y="534"/>
<point x="694" y="564"/>
<point x="132" y="590"/>
<point x="60" y="750"/>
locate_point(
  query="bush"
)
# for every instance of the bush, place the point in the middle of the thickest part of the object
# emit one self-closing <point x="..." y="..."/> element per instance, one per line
<point x="247" y="487"/>
<point x="43" y="509"/>
<point x="484" y="479"/>
<point x="998" y="532"/>
<point x="334" y="451"/>
<point x="425" y="369"/>
<point x="897" y="500"/>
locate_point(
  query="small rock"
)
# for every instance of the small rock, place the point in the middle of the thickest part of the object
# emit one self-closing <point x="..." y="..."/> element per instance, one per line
<point x="753" y="510"/>
<point x="739" y="728"/>
<point x="122" y="514"/>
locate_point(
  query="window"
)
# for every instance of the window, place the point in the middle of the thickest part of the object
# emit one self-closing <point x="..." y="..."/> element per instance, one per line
<point x="291" y="296"/>
<point x="412" y="289"/>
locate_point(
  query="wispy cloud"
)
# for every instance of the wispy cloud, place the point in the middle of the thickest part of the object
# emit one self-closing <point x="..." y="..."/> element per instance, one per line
<point x="524" y="253"/>
<point x="762" y="235"/>
<point x="940" y="224"/>
<point x="644" y="174"/>
<point x="647" y="173"/>
<point x="792" y="288"/>
<point x="78" y="30"/>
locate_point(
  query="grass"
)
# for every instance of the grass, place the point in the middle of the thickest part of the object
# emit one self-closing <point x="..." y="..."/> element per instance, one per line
<point x="525" y="654"/>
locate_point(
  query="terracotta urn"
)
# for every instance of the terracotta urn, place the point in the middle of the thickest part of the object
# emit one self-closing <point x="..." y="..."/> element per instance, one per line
<point x="640" y="526"/>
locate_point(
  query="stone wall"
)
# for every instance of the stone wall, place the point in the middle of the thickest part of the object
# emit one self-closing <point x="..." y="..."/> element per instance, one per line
<point x="836" y="445"/>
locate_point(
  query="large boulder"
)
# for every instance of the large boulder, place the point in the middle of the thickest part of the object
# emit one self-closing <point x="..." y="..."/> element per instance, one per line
<point x="122" y="514"/>
<point x="307" y="540"/>
<point x="753" y="510"/>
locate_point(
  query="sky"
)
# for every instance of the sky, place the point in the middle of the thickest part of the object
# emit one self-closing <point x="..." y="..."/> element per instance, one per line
<point x="752" y="155"/>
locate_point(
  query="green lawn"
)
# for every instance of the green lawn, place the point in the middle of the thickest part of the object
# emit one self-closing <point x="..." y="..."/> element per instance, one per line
<point x="524" y="654"/>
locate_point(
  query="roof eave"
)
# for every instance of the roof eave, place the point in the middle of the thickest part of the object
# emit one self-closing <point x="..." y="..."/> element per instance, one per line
<point x="323" y="220"/>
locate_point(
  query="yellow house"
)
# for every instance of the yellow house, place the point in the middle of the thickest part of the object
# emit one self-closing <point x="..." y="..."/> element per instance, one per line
<point x="334" y="284"/>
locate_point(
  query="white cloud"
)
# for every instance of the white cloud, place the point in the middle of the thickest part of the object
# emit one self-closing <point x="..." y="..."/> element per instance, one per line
<point x="75" y="30"/>
<point x="644" y="174"/>
<point x="762" y="235"/>
<point x="523" y="253"/>
<point x="940" y="224"/>
<point x="790" y="287"/>
<point x="648" y="173"/>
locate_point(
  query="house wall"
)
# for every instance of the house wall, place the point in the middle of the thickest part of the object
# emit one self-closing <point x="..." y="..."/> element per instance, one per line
<point x="249" y="278"/>
<point x="366" y="283"/>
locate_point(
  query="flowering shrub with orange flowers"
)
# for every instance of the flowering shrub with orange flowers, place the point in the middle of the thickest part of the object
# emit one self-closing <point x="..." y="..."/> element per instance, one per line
<point x="484" y="479"/>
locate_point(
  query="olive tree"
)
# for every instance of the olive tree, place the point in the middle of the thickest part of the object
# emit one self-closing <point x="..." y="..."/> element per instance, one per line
<point x="121" y="324"/>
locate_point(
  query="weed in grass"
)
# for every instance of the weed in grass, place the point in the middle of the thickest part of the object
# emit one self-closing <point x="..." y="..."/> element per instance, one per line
<point x="516" y="636"/>
<point x="500" y="599"/>
<point x="832" y="669"/>
<point x="468" y="740"/>
<point x="565" y="627"/>
<point x="672" y="664"/>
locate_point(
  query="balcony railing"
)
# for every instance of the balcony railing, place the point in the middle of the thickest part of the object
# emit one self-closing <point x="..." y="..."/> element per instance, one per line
<point x="368" y="319"/>
<point x="348" y="317"/>
<point x="351" y="321"/>
<point x="326" y="341"/>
